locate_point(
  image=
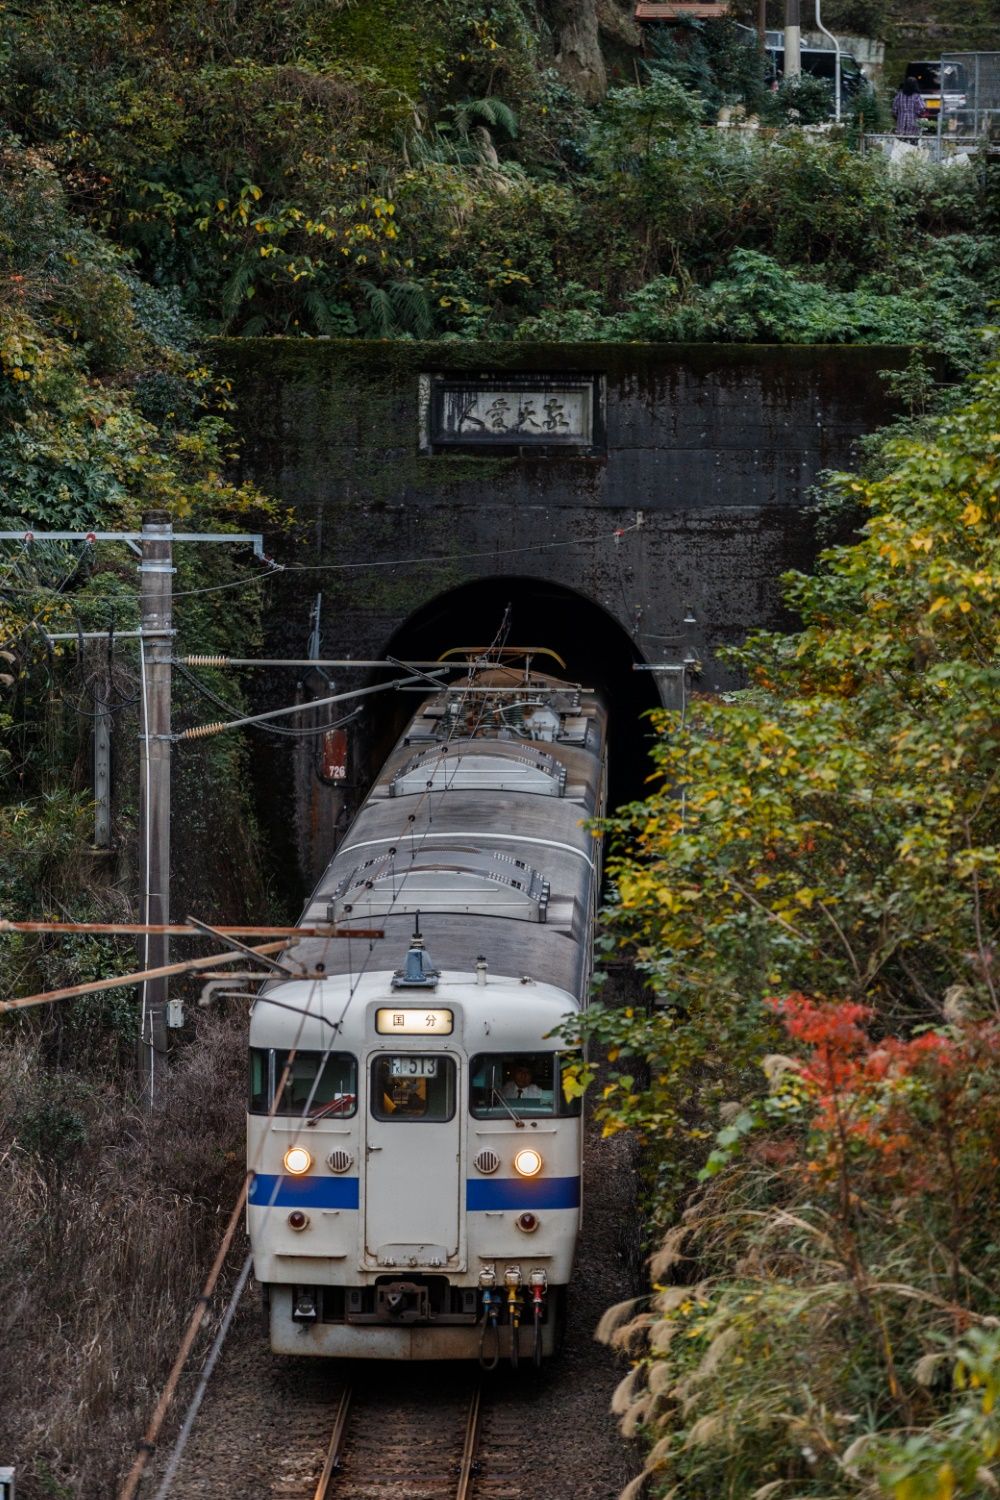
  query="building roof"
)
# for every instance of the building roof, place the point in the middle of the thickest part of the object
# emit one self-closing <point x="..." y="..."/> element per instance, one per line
<point x="672" y="10"/>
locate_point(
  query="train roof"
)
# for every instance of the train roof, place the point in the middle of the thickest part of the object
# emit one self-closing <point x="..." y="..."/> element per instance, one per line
<point x="493" y="852"/>
<point x="500" y="1013"/>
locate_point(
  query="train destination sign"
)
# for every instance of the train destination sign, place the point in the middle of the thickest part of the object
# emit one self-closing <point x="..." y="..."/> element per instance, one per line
<point x="392" y="1022"/>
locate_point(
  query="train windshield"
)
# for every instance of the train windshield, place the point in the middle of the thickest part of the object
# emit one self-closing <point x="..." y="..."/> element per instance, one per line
<point x="523" y="1083"/>
<point x="407" y="1086"/>
<point x="312" y="1084"/>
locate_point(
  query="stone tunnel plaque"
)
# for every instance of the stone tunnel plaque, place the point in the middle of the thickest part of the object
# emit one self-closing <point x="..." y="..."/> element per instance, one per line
<point x="544" y="415"/>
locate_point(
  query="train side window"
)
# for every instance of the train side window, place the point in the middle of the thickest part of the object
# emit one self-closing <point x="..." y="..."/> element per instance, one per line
<point x="260" y="1080"/>
<point x="406" y="1086"/>
<point x="317" y="1084"/>
<point x="523" y="1083"/>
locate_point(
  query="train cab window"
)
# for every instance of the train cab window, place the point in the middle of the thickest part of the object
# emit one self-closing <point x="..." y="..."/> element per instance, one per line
<point x="316" y="1085"/>
<point x="406" y="1086"/>
<point x="526" y="1084"/>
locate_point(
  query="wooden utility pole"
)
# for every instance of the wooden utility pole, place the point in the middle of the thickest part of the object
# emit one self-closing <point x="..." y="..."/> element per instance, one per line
<point x="762" y="24"/>
<point x="156" y="649"/>
<point x="793" y="39"/>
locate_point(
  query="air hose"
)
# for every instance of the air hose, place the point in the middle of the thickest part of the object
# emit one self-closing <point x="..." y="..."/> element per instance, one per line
<point x="490" y="1300"/>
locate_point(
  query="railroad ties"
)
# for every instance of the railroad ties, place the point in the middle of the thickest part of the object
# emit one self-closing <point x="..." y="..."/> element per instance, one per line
<point x="444" y="1442"/>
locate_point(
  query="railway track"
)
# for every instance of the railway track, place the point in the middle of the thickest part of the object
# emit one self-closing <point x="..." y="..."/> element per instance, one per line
<point x="387" y="1446"/>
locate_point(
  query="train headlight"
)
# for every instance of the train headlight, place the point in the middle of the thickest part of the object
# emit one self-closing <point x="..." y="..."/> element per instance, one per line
<point x="297" y="1160"/>
<point x="527" y="1163"/>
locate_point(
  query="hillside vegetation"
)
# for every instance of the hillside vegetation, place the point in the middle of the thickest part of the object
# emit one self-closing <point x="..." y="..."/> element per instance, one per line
<point x="175" y="168"/>
<point x="813" y="894"/>
<point x="311" y="168"/>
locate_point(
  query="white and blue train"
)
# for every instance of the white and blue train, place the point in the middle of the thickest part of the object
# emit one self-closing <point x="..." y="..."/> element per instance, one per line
<point x="417" y="1163"/>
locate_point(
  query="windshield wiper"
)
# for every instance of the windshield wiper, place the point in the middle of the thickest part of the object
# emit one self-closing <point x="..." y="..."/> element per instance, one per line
<point x="515" y="1117"/>
<point x="332" y="1106"/>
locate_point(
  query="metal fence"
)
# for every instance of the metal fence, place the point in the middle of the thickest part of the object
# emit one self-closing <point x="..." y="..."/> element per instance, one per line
<point x="929" y="147"/>
<point x="970" y="96"/>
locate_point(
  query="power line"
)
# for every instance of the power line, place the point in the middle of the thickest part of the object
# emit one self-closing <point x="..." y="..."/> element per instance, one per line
<point x="404" y="562"/>
<point x="278" y="729"/>
<point x="439" y="560"/>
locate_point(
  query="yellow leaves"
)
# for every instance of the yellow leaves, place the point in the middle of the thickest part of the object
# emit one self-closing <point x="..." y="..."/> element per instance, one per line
<point x="972" y="514"/>
<point x="939" y="603"/>
<point x="914" y="1486"/>
<point x="964" y="606"/>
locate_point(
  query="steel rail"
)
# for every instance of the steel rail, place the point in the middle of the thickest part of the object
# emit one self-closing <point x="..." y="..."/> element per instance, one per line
<point x="467" y="1468"/>
<point x="470" y="1450"/>
<point x="332" y="1464"/>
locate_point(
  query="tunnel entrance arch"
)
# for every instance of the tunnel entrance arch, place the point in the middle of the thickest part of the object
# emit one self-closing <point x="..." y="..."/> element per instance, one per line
<point x="597" y="651"/>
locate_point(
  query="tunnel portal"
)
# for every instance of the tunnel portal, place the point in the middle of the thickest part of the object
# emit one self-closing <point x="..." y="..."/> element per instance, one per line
<point x="597" y="651"/>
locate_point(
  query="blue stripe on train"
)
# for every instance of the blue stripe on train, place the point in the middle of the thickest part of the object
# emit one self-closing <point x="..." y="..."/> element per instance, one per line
<point x="303" y="1192"/>
<point x="480" y="1194"/>
<point x="521" y="1192"/>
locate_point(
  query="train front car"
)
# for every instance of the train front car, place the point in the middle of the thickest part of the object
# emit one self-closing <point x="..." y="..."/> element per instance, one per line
<point x="417" y="1187"/>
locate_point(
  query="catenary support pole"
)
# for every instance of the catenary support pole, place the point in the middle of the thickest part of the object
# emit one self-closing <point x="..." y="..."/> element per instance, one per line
<point x="156" y="588"/>
<point x="793" y="38"/>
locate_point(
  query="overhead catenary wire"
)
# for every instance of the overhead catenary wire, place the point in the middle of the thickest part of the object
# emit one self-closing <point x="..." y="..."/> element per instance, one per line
<point x="123" y="981"/>
<point x="194" y="1405"/>
<point x="280" y="729"/>
<point x="437" y="560"/>
<point x="147" y="1444"/>
<point x="202" y="731"/>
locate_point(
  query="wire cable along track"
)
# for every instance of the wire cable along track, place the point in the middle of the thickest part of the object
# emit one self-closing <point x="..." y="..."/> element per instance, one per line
<point x="402" y="1447"/>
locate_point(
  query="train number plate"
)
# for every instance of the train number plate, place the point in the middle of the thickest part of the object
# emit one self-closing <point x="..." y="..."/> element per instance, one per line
<point x="413" y="1067"/>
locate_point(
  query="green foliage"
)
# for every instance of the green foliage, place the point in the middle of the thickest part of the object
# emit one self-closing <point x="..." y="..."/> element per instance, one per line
<point x="52" y="1130"/>
<point x="829" y="835"/>
<point x="357" y="169"/>
<point x="107" y="410"/>
<point x="714" y="59"/>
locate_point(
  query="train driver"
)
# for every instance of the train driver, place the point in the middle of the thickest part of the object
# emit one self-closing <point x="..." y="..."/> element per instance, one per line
<point x="521" y="1084"/>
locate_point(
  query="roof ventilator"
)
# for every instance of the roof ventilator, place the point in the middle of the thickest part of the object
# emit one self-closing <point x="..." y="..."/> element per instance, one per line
<point x="418" y="972"/>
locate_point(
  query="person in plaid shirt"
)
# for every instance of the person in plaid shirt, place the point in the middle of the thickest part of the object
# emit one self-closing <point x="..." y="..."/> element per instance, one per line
<point x="908" y="108"/>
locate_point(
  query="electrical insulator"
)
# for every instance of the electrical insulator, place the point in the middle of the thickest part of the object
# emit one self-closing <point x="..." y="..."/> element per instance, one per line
<point x="206" y="661"/>
<point x="201" y="731"/>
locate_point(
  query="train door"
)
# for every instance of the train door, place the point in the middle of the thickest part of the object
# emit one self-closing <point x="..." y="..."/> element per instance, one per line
<point x="413" y="1159"/>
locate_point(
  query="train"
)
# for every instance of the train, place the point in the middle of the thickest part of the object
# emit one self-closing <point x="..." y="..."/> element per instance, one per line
<point x="416" y="1159"/>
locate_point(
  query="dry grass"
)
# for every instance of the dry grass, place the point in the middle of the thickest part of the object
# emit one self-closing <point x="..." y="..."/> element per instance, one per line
<point x="103" y="1253"/>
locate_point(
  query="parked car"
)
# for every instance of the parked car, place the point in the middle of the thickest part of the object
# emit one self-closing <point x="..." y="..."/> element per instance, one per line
<point x="821" y="62"/>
